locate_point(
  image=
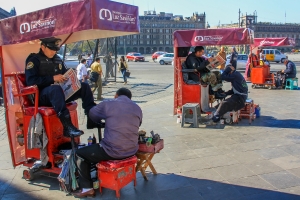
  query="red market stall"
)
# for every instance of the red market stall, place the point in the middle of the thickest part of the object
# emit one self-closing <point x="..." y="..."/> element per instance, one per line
<point x="260" y="72"/>
<point x="183" y="41"/>
<point x="19" y="36"/>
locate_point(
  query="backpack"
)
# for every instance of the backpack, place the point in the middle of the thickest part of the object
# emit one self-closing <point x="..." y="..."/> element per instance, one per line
<point x="94" y="77"/>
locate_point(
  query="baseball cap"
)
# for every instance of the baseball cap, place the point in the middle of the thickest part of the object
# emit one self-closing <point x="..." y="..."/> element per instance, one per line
<point x="51" y="43"/>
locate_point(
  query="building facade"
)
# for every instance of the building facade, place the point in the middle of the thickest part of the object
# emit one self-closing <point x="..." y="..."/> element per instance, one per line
<point x="267" y="29"/>
<point x="156" y="32"/>
<point x="5" y="14"/>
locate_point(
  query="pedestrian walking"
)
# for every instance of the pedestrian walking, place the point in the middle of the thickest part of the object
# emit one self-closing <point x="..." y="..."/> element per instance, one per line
<point x="233" y="58"/>
<point x="79" y="58"/>
<point x="82" y="71"/>
<point x="96" y="71"/>
<point x="123" y="67"/>
<point x="109" y="66"/>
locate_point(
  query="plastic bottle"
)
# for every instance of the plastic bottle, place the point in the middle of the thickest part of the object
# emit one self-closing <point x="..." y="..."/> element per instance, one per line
<point x="149" y="141"/>
<point x="257" y="111"/>
<point x="90" y="141"/>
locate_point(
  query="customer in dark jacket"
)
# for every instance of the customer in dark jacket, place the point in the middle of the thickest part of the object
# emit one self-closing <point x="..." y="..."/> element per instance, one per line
<point x="289" y="72"/>
<point x="239" y="93"/>
<point x="196" y="61"/>
<point x="234" y="57"/>
<point x="122" y="118"/>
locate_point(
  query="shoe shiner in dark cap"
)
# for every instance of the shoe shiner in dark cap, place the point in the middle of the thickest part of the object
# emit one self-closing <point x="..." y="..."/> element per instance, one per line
<point x="44" y="69"/>
<point x="239" y="93"/>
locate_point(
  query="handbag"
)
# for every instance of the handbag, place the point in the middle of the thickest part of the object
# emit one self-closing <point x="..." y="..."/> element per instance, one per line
<point x="127" y="73"/>
<point x="94" y="77"/>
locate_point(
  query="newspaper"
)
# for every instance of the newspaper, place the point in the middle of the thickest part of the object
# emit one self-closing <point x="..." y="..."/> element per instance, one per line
<point x="217" y="60"/>
<point x="71" y="85"/>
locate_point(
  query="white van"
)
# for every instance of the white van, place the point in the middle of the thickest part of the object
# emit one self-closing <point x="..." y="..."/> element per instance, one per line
<point x="274" y="55"/>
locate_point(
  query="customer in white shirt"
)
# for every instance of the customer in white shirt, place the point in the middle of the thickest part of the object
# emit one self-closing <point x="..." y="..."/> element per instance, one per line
<point x="82" y="71"/>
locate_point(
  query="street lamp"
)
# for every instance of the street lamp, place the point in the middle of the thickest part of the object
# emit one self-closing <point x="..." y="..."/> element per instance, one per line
<point x="124" y="45"/>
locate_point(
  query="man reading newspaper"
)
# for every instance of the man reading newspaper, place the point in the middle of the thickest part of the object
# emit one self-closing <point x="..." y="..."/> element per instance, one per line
<point x="44" y="69"/>
<point x="196" y="61"/>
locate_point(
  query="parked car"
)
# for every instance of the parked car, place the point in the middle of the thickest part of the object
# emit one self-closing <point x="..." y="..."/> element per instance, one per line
<point x="155" y="55"/>
<point x="135" y="57"/>
<point x="165" y="58"/>
<point x="274" y="55"/>
<point x="61" y="56"/>
<point x="241" y="60"/>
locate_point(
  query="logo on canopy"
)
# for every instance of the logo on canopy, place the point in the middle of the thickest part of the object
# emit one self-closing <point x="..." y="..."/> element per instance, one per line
<point x="107" y="14"/>
<point x="200" y="38"/>
<point x="117" y="16"/>
<point x="37" y="25"/>
<point x="266" y="42"/>
<point x="24" y="28"/>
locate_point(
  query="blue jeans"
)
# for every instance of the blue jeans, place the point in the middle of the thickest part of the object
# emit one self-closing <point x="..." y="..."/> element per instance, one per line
<point x="123" y="74"/>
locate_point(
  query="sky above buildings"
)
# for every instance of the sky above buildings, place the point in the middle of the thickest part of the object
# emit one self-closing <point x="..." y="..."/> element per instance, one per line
<point x="217" y="11"/>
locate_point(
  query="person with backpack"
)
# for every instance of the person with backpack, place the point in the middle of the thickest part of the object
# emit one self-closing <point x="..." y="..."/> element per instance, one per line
<point x="96" y="72"/>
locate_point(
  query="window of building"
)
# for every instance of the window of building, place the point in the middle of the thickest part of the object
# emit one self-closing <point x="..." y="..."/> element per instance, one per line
<point x="148" y="42"/>
<point x="161" y="42"/>
<point x="148" y="36"/>
<point x="167" y="42"/>
<point x="153" y="42"/>
<point x="141" y="41"/>
<point x="167" y="36"/>
<point x="134" y="36"/>
<point x="167" y="30"/>
<point x="128" y="41"/>
<point x="121" y="41"/>
<point x="160" y="30"/>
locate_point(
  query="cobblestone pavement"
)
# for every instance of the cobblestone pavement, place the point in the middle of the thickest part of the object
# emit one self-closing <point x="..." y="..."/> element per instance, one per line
<point x="252" y="162"/>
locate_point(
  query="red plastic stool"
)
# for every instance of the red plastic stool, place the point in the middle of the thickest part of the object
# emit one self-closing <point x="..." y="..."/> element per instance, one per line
<point x="115" y="174"/>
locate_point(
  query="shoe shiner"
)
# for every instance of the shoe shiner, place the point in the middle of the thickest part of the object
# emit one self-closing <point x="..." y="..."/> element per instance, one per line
<point x="239" y="93"/>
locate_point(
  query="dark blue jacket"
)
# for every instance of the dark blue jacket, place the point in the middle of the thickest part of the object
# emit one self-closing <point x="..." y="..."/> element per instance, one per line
<point x="237" y="81"/>
<point x="290" y="70"/>
<point x="233" y="59"/>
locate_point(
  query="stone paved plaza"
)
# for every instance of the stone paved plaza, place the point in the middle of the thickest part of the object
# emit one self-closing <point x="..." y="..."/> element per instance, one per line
<point x="260" y="161"/>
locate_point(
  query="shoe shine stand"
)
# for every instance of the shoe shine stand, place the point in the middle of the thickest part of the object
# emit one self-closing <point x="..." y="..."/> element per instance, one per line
<point x="205" y="100"/>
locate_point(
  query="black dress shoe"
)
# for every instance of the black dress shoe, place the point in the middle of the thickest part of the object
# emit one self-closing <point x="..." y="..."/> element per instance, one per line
<point x="216" y="118"/>
<point x="219" y="95"/>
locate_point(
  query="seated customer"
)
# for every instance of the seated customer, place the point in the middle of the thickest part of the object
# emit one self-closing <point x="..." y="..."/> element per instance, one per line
<point x="289" y="72"/>
<point x="239" y="93"/>
<point x="198" y="63"/>
<point x="122" y="120"/>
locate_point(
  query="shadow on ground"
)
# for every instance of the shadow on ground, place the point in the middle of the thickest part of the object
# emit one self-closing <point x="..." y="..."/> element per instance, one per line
<point x="159" y="187"/>
<point x="272" y="122"/>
